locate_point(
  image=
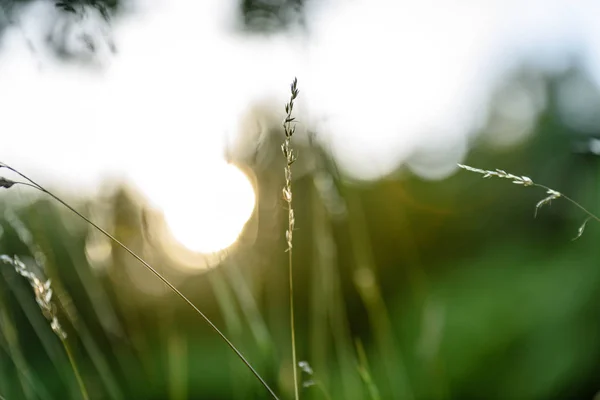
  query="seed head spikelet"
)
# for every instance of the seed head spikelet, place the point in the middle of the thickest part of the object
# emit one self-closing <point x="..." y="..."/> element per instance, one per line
<point x="526" y="181"/>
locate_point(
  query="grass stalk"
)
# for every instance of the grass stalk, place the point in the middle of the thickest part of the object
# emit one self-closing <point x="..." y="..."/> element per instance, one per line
<point x="368" y="288"/>
<point x="290" y="158"/>
<point x="9" y="342"/>
<point x="249" y="308"/>
<point x="329" y="309"/>
<point x="233" y="324"/>
<point x="364" y="370"/>
<point x="80" y="383"/>
<point x="293" y="329"/>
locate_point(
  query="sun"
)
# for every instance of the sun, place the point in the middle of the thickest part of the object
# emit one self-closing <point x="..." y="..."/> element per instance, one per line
<point x="208" y="213"/>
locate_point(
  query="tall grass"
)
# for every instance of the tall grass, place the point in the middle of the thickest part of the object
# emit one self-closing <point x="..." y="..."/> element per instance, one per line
<point x="43" y="292"/>
<point x="343" y="366"/>
<point x="290" y="158"/>
<point x="342" y="360"/>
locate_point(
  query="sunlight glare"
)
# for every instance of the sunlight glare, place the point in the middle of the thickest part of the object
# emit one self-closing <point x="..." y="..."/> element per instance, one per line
<point x="210" y="215"/>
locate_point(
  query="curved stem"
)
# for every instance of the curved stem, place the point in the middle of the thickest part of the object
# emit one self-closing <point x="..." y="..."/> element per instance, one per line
<point x="27" y="184"/>
<point x="576" y="204"/>
<point x="154" y="271"/>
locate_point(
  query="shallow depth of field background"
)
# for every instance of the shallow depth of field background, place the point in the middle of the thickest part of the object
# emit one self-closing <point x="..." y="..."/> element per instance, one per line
<point x="413" y="279"/>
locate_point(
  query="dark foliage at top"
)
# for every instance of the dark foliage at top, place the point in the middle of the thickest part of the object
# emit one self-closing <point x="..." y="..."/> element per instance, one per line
<point x="261" y="16"/>
<point x="106" y="7"/>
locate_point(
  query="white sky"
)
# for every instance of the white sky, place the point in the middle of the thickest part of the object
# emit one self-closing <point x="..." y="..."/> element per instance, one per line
<point x="380" y="79"/>
<point x="383" y="82"/>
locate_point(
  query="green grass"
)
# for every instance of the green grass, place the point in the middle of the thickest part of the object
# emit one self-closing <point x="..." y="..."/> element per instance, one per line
<point x="401" y="289"/>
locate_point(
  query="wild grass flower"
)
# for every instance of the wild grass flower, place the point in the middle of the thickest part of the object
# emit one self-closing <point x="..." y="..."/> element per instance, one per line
<point x="290" y="158"/>
<point x="525" y="181"/>
<point x="41" y="289"/>
<point x="43" y="297"/>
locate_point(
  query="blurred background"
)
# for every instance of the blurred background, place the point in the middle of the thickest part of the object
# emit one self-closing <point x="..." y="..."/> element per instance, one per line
<point x="161" y="122"/>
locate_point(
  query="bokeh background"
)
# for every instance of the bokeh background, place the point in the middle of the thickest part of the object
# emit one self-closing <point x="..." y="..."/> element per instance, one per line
<point x="161" y="122"/>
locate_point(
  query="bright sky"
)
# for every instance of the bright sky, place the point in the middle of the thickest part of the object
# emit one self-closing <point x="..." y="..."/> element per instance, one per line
<point x="383" y="82"/>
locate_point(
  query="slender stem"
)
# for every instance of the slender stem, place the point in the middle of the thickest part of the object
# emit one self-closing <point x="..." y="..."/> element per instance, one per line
<point x="363" y="370"/>
<point x="155" y="272"/>
<point x="82" y="388"/>
<point x="27" y="184"/>
<point x="296" y="394"/>
<point x="576" y="204"/>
